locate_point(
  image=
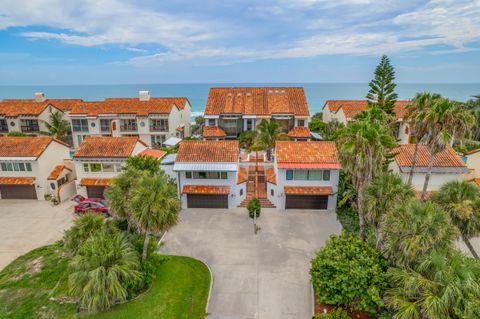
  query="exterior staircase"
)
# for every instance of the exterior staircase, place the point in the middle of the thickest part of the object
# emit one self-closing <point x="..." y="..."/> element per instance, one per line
<point x="262" y="191"/>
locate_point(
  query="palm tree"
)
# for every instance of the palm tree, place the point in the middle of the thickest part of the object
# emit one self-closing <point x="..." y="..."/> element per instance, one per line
<point x="83" y="228"/>
<point x="364" y="146"/>
<point x="443" y="286"/>
<point x="119" y="193"/>
<point x="415" y="118"/>
<point x="154" y="206"/>
<point x="413" y="230"/>
<point x="58" y="127"/>
<point x="462" y="201"/>
<point x="447" y="120"/>
<point x="268" y="133"/>
<point x="247" y="138"/>
<point x="383" y="195"/>
<point x="99" y="275"/>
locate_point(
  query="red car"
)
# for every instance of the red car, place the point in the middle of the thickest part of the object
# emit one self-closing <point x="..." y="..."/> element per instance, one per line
<point x="99" y="207"/>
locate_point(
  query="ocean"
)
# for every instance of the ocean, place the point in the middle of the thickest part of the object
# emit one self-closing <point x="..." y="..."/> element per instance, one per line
<point x="317" y="93"/>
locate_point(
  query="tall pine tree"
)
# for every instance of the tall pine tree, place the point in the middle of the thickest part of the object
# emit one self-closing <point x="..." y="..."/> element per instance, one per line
<point x="382" y="88"/>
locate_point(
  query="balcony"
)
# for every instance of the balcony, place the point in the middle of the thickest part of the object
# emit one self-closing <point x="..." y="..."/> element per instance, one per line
<point x="128" y="127"/>
<point x="158" y="128"/>
<point x="30" y="128"/>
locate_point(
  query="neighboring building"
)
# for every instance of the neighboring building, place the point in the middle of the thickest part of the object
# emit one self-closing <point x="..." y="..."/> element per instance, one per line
<point x="239" y="109"/>
<point x="305" y="175"/>
<point x="344" y="111"/>
<point x="29" y="165"/>
<point x="207" y="174"/>
<point x="473" y="163"/>
<point x="31" y="115"/>
<point x="447" y="166"/>
<point x="99" y="159"/>
<point x="153" y="120"/>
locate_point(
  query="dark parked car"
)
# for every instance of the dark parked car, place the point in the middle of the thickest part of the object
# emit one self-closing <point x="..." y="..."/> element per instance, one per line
<point x="99" y="207"/>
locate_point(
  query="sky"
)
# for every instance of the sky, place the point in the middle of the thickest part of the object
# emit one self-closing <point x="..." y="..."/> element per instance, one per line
<point x="233" y="41"/>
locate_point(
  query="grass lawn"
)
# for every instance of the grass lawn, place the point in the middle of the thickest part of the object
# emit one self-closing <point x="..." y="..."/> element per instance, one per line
<point x="28" y="282"/>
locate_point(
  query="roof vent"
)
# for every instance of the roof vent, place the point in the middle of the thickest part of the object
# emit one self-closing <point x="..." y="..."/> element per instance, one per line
<point x="283" y="91"/>
<point x="229" y="94"/>
<point x="239" y="94"/>
<point x="40" y="97"/>
<point x="270" y="91"/>
<point x="277" y="91"/>
<point x="144" y="95"/>
<point x="248" y="94"/>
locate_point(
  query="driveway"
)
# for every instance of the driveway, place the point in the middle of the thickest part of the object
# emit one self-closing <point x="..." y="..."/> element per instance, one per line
<point x="254" y="276"/>
<point x="28" y="224"/>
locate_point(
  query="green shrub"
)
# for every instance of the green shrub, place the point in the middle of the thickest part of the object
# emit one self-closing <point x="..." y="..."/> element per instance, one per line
<point x="16" y="134"/>
<point x="349" y="272"/>
<point x="254" y="206"/>
<point x="338" y="313"/>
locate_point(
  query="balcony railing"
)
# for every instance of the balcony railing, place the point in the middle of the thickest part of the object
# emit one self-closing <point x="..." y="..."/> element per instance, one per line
<point x="158" y="128"/>
<point x="128" y="128"/>
<point x="30" y="128"/>
<point x="79" y="128"/>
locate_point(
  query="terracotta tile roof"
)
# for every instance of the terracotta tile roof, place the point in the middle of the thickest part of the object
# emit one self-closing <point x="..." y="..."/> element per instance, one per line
<point x="213" y="131"/>
<point x="206" y="189"/>
<point x="446" y="158"/>
<point x="17" y="180"/>
<point x="95" y="181"/>
<point x="25" y="146"/>
<point x="472" y="151"/>
<point x="307" y="154"/>
<point x="242" y="176"/>
<point x="57" y="170"/>
<point x="208" y="151"/>
<point x="302" y="132"/>
<point x="107" y="146"/>
<point x="16" y="107"/>
<point x="129" y="106"/>
<point x="308" y="190"/>
<point x="257" y="101"/>
<point x="180" y="129"/>
<point x="476" y="181"/>
<point x="353" y="107"/>
<point x="156" y="154"/>
<point x="271" y="177"/>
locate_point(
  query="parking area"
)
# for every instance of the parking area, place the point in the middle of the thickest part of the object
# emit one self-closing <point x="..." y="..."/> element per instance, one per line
<point x="254" y="276"/>
<point x="28" y="224"/>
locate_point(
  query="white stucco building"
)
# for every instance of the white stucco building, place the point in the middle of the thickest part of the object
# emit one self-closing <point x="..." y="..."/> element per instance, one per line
<point x="305" y="175"/>
<point x="152" y="120"/>
<point x="473" y="164"/>
<point x="447" y="166"/>
<point x="344" y="111"/>
<point x="99" y="159"/>
<point x="31" y="167"/>
<point x="238" y="109"/>
<point x="207" y="174"/>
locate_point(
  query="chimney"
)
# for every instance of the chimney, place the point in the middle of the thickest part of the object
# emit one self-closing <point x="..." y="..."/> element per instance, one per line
<point x="40" y="97"/>
<point x="144" y="95"/>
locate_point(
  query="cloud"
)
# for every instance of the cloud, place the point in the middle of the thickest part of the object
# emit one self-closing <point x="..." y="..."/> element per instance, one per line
<point x="258" y="30"/>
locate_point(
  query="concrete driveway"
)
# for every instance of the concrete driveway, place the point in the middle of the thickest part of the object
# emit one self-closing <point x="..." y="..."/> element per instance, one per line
<point x="262" y="276"/>
<point x="28" y="224"/>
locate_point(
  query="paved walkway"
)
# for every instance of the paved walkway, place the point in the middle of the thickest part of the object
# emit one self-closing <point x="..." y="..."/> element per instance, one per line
<point x="255" y="276"/>
<point x="29" y="224"/>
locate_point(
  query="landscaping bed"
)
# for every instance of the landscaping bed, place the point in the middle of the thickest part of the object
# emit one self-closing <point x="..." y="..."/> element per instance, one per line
<point x="29" y="283"/>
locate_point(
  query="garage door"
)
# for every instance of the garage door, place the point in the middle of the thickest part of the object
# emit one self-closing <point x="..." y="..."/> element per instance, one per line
<point x="18" y="192"/>
<point x="207" y="201"/>
<point x="95" y="191"/>
<point x="306" y="201"/>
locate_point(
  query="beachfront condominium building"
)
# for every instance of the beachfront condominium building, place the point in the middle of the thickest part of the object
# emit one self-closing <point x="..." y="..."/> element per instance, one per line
<point x="151" y="119"/>
<point x="344" y="111"/>
<point x="30" y="116"/>
<point x="235" y="110"/>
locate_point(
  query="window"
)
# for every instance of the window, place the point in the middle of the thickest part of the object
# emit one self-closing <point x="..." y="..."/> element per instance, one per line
<point x="159" y="125"/>
<point x="105" y="125"/>
<point x="157" y="140"/>
<point x="29" y="126"/>
<point x="3" y="125"/>
<point x="241" y="191"/>
<point x="79" y="125"/>
<point x="272" y="192"/>
<point x="108" y="167"/>
<point x="301" y="123"/>
<point x="310" y="175"/>
<point x="16" y="167"/>
<point x="211" y="122"/>
<point x="80" y="139"/>
<point x="128" y="125"/>
<point x="249" y="124"/>
<point x="207" y="175"/>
